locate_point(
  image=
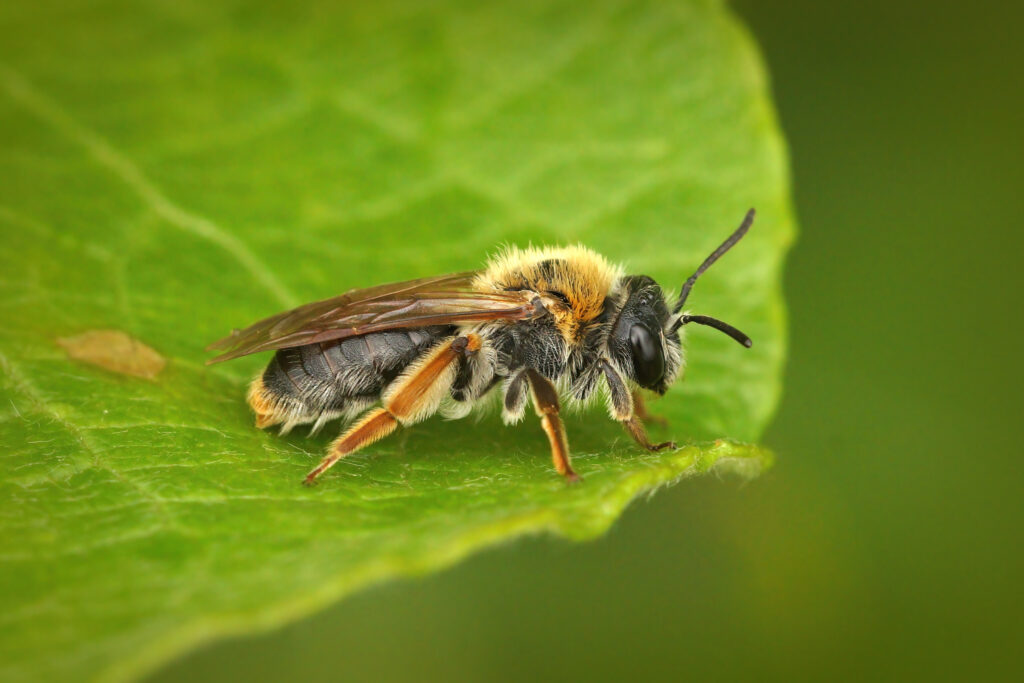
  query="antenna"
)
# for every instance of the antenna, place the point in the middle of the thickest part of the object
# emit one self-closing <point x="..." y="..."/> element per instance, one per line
<point x="715" y="255"/>
<point x="715" y="323"/>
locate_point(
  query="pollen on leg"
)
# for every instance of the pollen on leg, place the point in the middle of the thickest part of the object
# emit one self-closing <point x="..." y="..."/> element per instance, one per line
<point x="264" y="420"/>
<point x="263" y="403"/>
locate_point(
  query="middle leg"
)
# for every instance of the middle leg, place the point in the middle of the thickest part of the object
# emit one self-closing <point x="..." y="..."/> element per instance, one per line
<point x="545" y="400"/>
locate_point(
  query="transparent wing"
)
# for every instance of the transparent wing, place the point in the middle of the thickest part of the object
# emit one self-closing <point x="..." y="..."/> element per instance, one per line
<point x="440" y="300"/>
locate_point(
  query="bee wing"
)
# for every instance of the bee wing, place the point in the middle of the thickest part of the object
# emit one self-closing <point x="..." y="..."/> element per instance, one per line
<point x="440" y="300"/>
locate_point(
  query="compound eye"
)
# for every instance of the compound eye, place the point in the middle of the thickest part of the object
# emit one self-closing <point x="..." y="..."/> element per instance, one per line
<point x="648" y="360"/>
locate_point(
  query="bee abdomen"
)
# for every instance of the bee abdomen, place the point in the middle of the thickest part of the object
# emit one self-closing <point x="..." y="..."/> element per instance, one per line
<point x="308" y="383"/>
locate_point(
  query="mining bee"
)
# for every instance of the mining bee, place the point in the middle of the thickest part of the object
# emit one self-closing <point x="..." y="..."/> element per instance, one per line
<point x="396" y="354"/>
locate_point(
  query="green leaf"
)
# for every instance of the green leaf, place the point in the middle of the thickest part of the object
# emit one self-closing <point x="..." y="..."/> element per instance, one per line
<point x="172" y="171"/>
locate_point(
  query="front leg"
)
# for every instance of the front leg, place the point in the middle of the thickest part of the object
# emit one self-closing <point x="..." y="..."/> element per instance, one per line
<point x="641" y="411"/>
<point x="622" y="409"/>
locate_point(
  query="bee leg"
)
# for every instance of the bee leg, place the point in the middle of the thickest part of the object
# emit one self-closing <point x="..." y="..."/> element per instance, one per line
<point x="545" y="401"/>
<point x="635" y="428"/>
<point x="414" y="396"/>
<point x="373" y="426"/>
<point x="640" y="410"/>
<point x="622" y="409"/>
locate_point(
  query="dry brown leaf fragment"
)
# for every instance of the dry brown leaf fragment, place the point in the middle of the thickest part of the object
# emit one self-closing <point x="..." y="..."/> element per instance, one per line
<point x="115" y="351"/>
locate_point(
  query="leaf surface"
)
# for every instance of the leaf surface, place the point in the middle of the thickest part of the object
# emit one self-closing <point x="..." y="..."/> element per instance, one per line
<point x="171" y="171"/>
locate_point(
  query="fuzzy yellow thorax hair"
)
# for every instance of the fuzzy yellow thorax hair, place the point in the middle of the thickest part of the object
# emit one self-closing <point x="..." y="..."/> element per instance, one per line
<point x="582" y="275"/>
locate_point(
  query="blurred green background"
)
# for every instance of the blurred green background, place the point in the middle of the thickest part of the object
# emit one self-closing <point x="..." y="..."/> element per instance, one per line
<point x="885" y="544"/>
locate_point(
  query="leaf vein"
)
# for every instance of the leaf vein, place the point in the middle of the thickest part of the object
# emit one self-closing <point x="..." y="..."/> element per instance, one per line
<point x="22" y="92"/>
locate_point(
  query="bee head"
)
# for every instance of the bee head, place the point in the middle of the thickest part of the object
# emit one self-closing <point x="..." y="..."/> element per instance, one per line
<point x="640" y="340"/>
<point x="645" y="338"/>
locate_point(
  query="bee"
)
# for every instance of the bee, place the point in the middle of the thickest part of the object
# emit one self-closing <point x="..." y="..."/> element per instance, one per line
<point x="396" y="354"/>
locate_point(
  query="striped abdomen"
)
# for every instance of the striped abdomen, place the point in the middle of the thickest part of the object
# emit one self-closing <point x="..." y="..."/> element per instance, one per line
<point x="319" y="382"/>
